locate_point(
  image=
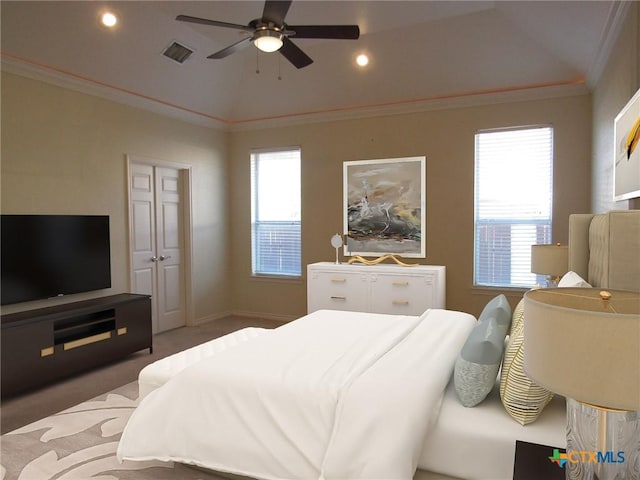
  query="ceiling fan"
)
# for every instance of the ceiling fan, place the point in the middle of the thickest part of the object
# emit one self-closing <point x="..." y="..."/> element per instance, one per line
<point x="270" y="33"/>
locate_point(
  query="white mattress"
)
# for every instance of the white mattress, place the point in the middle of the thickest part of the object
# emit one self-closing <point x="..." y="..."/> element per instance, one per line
<point x="478" y="443"/>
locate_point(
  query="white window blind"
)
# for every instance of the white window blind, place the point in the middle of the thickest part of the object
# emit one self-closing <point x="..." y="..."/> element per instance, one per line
<point x="513" y="203"/>
<point x="275" y="213"/>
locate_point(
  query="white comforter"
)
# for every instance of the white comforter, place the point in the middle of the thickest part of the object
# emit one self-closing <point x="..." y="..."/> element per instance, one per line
<point x="333" y="395"/>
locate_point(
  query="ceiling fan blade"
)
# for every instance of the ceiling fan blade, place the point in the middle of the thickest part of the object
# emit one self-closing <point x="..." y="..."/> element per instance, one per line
<point x="346" y="32"/>
<point x="291" y="52"/>
<point x="215" y="23"/>
<point x="225" y="52"/>
<point x="275" y="11"/>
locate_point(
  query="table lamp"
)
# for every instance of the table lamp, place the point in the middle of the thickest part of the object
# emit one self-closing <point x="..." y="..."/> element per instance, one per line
<point x="584" y="343"/>
<point x="550" y="260"/>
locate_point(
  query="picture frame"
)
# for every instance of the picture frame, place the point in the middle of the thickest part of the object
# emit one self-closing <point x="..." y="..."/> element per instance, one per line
<point x="626" y="172"/>
<point x="384" y="207"/>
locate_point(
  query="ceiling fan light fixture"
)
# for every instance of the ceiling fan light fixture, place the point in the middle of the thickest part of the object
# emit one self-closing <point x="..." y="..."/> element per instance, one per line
<point x="268" y="40"/>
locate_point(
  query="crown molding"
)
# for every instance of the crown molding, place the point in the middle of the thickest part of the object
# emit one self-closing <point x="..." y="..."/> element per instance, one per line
<point x="63" y="79"/>
<point x="459" y="100"/>
<point x="60" y="78"/>
<point x="615" y="20"/>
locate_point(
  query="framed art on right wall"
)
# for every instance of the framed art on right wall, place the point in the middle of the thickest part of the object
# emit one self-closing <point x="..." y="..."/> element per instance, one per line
<point x="627" y="151"/>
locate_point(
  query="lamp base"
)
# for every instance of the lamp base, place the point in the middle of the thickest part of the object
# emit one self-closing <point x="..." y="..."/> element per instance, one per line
<point x="552" y="281"/>
<point x="602" y="443"/>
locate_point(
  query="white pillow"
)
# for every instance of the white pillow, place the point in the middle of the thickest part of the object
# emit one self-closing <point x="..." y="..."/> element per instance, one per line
<point x="572" y="279"/>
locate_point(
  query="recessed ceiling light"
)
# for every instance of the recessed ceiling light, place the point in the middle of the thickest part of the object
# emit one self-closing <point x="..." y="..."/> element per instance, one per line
<point x="109" y="19"/>
<point x="362" y="60"/>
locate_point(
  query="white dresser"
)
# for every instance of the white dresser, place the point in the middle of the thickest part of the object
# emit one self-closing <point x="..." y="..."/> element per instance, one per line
<point x="379" y="288"/>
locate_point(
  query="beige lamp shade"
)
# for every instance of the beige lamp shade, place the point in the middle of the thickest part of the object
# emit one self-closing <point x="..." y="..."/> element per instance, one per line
<point x="549" y="259"/>
<point x="578" y="345"/>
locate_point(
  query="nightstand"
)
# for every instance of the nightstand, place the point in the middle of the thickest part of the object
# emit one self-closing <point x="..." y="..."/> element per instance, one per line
<point x="532" y="462"/>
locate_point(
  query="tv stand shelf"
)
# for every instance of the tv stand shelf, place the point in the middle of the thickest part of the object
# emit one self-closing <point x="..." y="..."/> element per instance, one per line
<point x="43" y="345"/>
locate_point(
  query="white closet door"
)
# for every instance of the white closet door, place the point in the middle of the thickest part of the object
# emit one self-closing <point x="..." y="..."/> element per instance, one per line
<point x="143" y="230"/>
<point x="168" y="243"/>
<point x="156" y="241"/>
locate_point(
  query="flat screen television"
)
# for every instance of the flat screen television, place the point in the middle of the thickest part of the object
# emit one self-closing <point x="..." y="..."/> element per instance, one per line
<point x="44" y="256"/>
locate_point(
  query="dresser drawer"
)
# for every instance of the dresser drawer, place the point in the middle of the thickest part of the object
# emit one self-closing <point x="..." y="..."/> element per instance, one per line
<point x="400" y="294"/>
<point x="337" y="291"/>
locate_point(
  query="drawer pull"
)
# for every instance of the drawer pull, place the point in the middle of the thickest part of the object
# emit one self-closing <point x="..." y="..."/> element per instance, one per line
<point x="338" y="280"/>
<point x="400" y="302"/>
<point x="338" y="297"/>
<point x="401" y="283"/>
<point x="87" y="340"/>
<point x="45" y="352"/>
<point x="122" y="331"/>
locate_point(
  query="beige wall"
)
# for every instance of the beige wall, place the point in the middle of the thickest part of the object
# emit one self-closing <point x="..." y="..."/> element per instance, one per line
<point x="619" y="81"/>
<point x="446" y="137"/>
<point x="64" y="152"/>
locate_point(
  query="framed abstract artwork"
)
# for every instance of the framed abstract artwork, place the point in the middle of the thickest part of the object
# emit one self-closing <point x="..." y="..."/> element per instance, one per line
<point x="627" y="151"/>
<point x="384" y="207"/>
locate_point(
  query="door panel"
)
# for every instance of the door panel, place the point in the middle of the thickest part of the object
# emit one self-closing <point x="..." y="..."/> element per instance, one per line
<point x="143" y="281"/>
<point x="143" y="220"/>
<point x="172" y="299"/>
<point x="171" y="221"/>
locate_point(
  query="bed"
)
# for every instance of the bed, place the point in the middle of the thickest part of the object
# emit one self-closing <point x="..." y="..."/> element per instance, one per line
<point x="304" y="394"/>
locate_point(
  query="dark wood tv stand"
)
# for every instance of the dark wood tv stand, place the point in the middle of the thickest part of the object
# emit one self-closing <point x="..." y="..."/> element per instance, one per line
<point x="43" y="345"/>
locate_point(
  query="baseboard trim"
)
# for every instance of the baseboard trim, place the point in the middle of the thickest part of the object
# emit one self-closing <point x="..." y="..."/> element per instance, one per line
<point x="266" y="316"/>
<point x="209" y="318"/>
<point x="242" y="313"/>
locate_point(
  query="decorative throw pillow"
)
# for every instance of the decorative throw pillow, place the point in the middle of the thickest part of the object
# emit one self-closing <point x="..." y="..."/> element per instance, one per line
<point x="477" y="366"/>
<point x="572" y="279"/>
<point x="522" y="398"/>
<point x="517" y="318"/>
<point x="499" y="309"/>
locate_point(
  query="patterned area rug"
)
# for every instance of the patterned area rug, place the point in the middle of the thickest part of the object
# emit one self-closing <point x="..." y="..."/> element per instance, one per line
<point x="80" y="443"/>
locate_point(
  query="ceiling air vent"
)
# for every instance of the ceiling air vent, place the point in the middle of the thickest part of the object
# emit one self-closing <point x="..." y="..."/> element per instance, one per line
<point x="177" y="52"/>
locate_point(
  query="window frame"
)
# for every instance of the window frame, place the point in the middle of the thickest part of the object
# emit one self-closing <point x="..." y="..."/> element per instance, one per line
<point x="254" y="207"/>
<point x="546" y="223"/>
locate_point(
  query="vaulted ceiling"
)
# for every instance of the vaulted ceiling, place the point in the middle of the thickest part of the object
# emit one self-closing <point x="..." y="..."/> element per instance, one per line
<point x="421" y="53"/>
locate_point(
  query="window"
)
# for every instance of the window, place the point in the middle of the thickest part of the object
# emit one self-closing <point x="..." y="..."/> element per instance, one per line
<point x="275" y="213"/>
<point x="513" y="203"/>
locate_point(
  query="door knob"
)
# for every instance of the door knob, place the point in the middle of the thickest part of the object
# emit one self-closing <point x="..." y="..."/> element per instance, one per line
<point x="163" y="258"/>
<point x="154" y="259"/>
